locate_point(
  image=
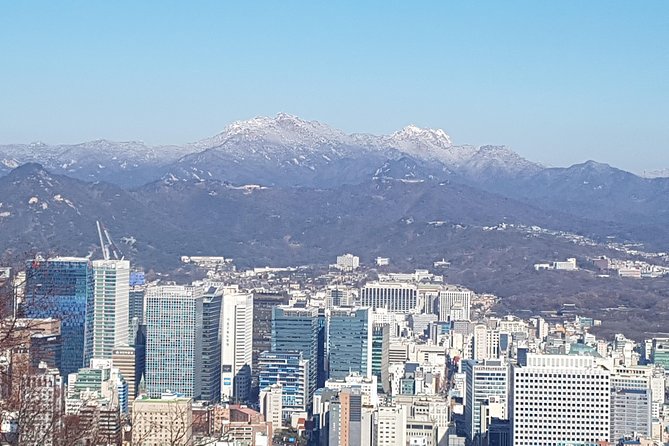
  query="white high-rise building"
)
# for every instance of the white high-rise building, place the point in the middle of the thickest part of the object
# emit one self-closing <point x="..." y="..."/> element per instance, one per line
<point x="237" y="348"/>
<point x="174" y="316"/>
<point x="486" y="381"/>
<point x="111" y="306"/>
<point x="561" y="399"/>
<point x="455" y="304"/>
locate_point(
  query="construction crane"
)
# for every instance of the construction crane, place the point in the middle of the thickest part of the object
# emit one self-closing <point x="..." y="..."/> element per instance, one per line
<point x="107" y="245"/>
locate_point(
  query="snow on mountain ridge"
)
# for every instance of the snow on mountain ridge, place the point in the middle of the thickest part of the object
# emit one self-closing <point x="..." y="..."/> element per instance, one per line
<point x="284" y="141"/>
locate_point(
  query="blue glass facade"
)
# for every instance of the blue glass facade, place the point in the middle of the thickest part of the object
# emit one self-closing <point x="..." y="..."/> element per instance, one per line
<point x="295" y="329"/>
<point x="350" y="342"/>
<point x="62" y="288"/>
<point x="289" y="370"/>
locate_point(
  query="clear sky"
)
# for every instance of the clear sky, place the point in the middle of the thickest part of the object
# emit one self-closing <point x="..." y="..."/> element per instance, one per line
<point x="560" y="82"/>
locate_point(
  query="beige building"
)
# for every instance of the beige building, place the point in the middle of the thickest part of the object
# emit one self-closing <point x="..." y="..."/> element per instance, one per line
<point x="164" y="421"/>
<point x="124" y="358"/>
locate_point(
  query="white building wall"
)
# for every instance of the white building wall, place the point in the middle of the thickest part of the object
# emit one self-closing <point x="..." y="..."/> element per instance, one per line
<point x="111" y="306"/>
<point x="560" y="399"/>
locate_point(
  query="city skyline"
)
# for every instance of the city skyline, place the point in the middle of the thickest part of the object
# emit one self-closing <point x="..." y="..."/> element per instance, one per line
<point x="559" y="84"/>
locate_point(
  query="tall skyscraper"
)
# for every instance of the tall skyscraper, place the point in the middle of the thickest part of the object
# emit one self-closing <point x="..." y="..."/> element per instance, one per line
<point x="262" y="328"/>
<point x="237" y="349"/>
<point x="295" y="329"/>
<point x="487" y="383"/>
<point x="350" y="423"/>
<point x="62" y="288"/>
<point x="349" y="342"/>
<point x="111" y="306"/>
<point x="321" y="347"/>
<point x="380" y="356"/>
<point x="212" y="337"/>
<point x="174" y="340"/>
<point x="136" y="303"/>
<point x="560" y="399"/>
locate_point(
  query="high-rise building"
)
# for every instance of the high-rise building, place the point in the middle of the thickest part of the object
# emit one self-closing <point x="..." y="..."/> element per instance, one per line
<point x="212" y="338"/>
<point x="487" y="381"/>
<point x="111" y="306"/>
<point x="237" y="349"/>
<point x="455" y="304"/>
<point x="630" y="413"/>
<point x="295" y="329"/>
<point x="290" y="371"/>
<point x="367" y="386"/>
<point x="164" y="421"/>
<point x="560" y="399"/>
<point x="174" y="340"/>
<point x="136" y="304"/>
<point x="396" y="297"/>
<point x="380" y="356"/>
<point x="262" y="327"/>
<point x="62" y="288"/>
<point x="650" y="377"/>
<point x="321" y="349"/>
<point x="350" y="423"/>
<point x="125" y="359"/>
<point x="349" y="342"/>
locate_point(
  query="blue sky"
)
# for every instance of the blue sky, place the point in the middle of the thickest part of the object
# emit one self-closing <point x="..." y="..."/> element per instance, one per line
<point x="559" y="82"/>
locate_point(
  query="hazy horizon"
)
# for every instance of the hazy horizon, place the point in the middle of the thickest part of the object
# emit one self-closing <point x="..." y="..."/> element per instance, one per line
<point x="559" y="83"/>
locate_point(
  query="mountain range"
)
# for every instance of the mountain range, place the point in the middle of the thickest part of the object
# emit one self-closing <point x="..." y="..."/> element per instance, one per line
<point x="285" y="191"/>
<point x="253" y="166"/>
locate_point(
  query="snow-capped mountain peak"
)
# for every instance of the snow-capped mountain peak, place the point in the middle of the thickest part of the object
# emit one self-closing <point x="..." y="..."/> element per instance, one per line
<point x="284" y="148"/>
<point x="415" y="133"/>
<point x="283" y="129"/>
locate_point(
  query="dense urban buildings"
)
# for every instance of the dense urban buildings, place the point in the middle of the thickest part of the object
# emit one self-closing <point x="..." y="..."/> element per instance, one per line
<point x="344" y="357"/>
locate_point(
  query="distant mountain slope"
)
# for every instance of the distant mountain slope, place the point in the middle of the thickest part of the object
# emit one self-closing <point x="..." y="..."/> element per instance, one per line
<point x="596" y="191"/>
<point x="283" y="150"/>
<point x="173" y="216"/>
<point x="123" y="163"/>
<point x="50" y="213"/>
